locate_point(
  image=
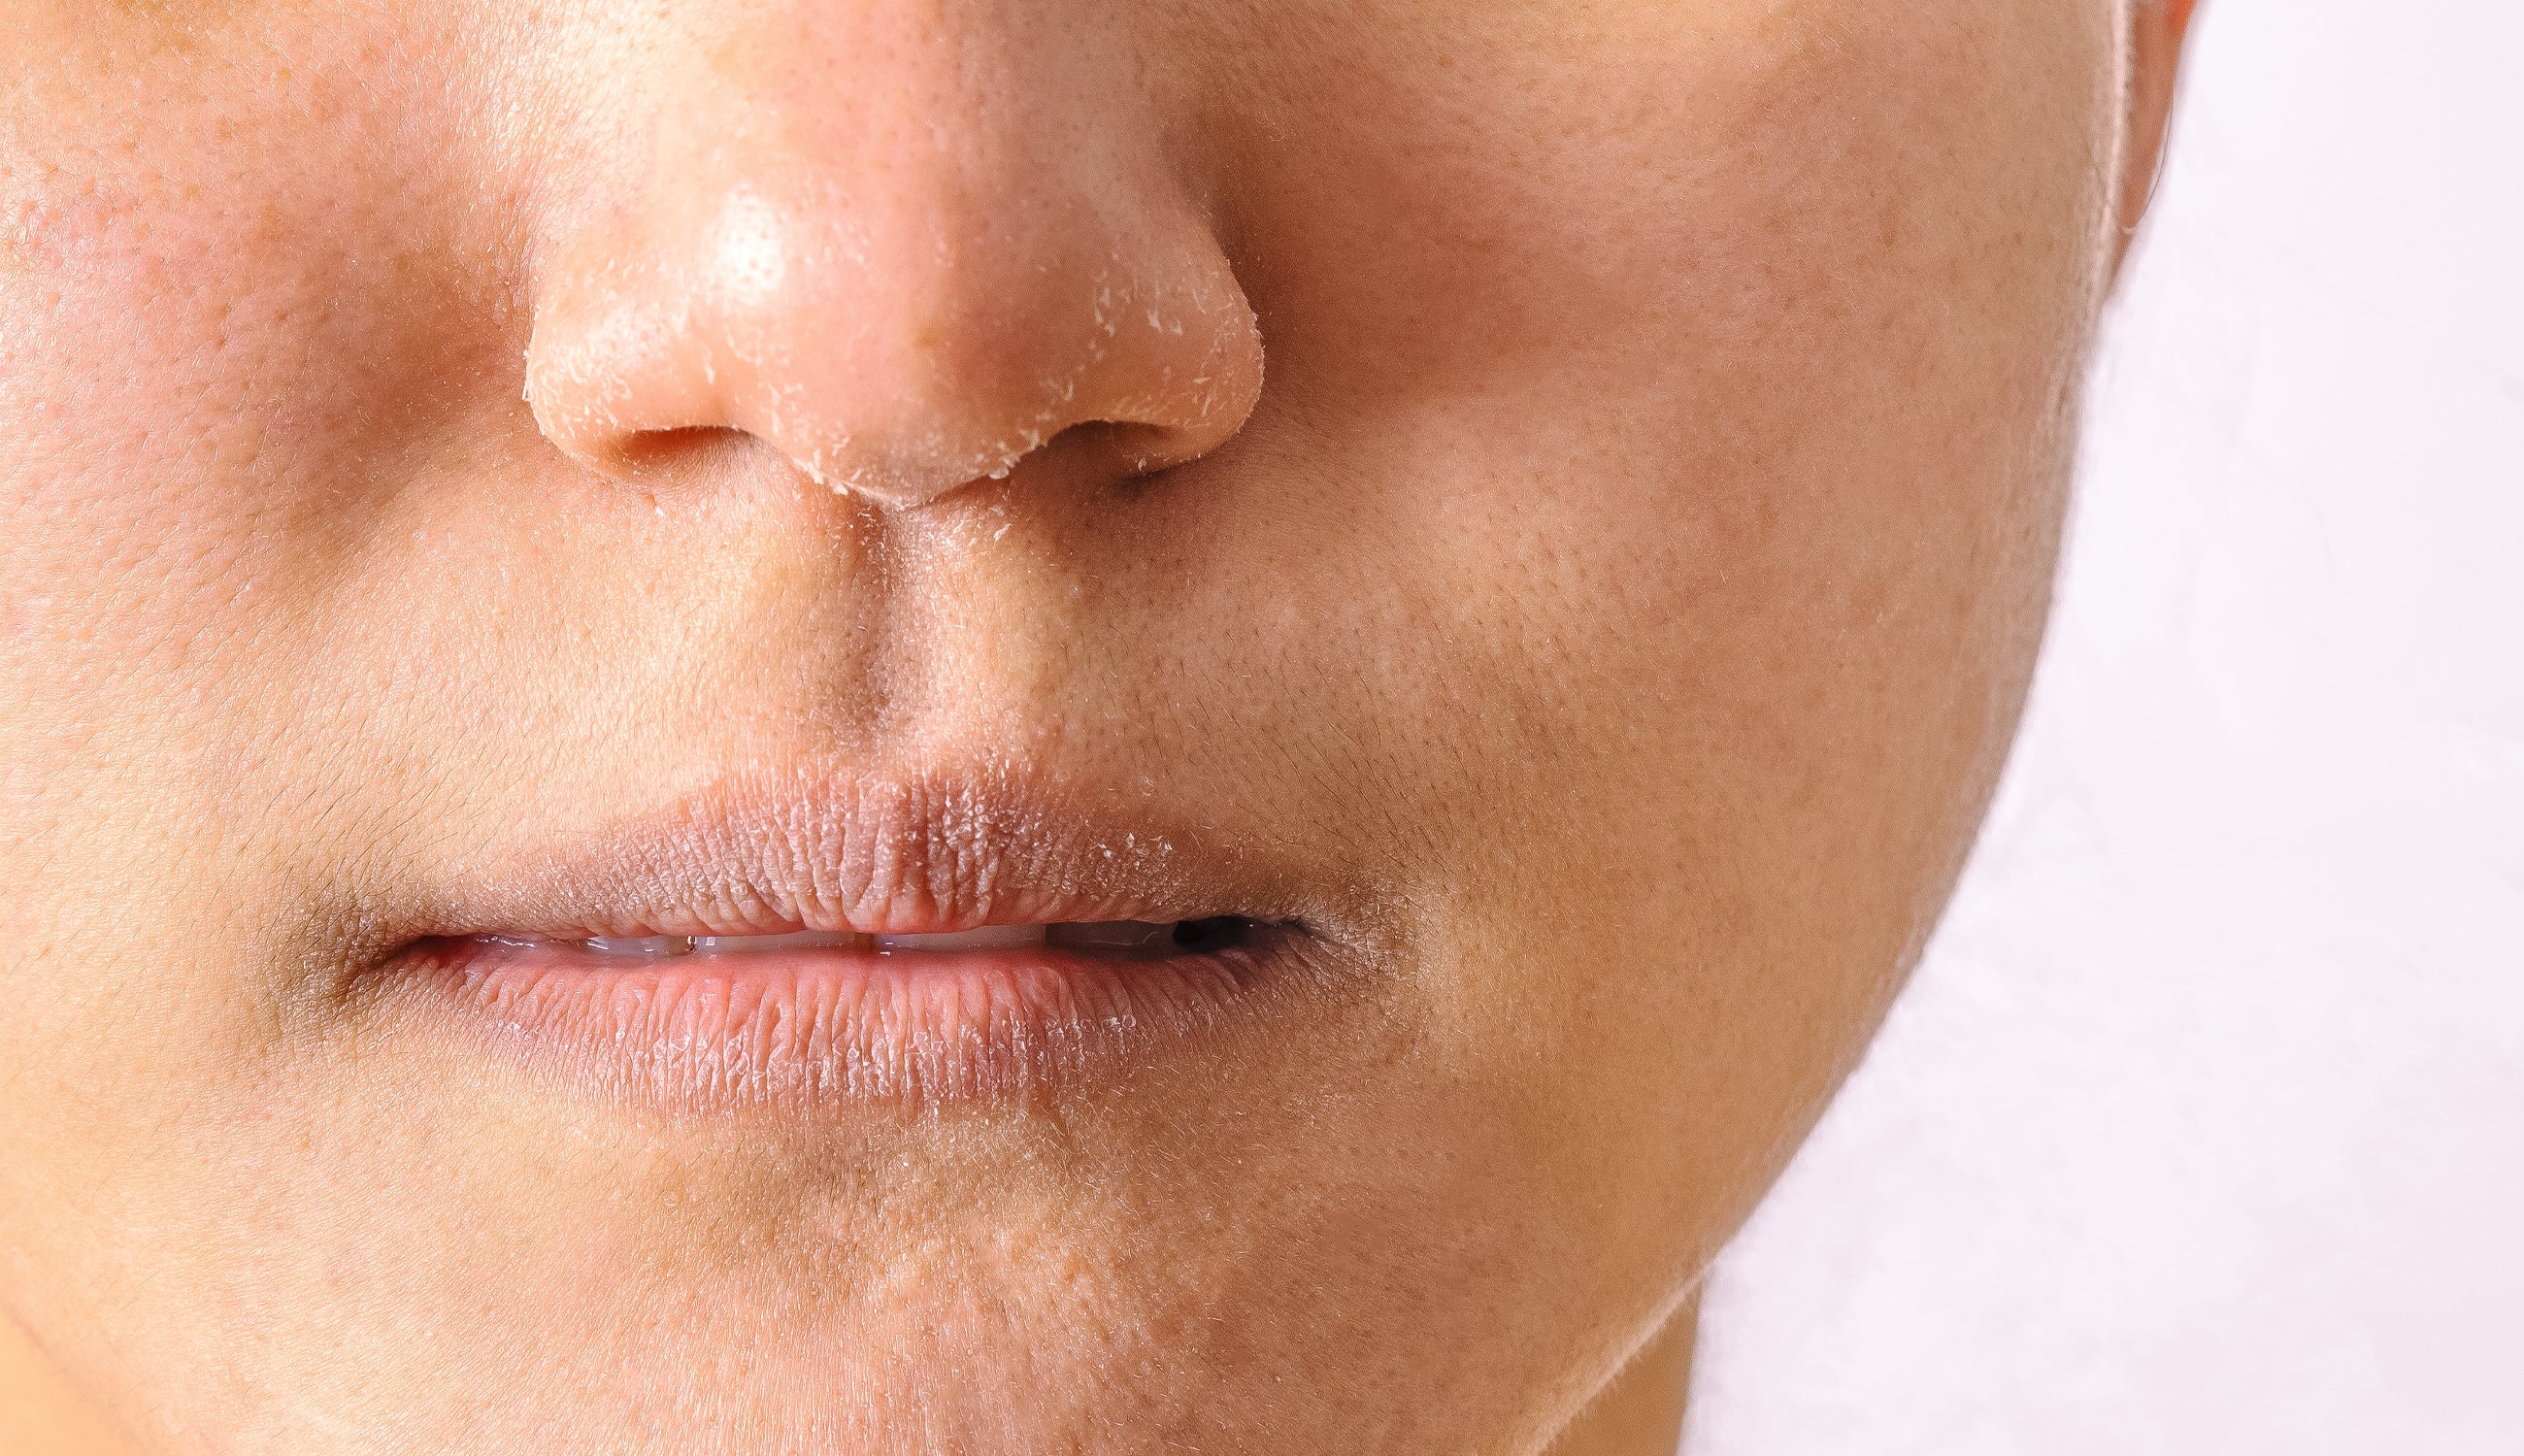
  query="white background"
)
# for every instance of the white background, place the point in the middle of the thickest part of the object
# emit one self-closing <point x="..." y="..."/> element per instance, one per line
<point x="2201" y="1129"/>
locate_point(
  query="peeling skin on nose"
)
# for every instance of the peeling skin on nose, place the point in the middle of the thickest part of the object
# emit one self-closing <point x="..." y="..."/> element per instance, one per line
<point x="916" y="472"/>
<point x="925" y="286"/>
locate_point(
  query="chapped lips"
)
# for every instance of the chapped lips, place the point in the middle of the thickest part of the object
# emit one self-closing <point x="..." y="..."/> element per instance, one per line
<point x="823" y="945"/>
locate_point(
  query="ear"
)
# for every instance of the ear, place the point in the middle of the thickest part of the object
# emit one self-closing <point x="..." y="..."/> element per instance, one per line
<point x="2156" y="31"/>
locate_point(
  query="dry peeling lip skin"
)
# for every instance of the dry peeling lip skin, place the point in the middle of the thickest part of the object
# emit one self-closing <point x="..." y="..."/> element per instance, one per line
<point x="876" y="946"/>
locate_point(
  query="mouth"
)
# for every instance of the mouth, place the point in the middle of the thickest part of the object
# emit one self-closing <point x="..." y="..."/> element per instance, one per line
<point x="807" y="950"/>
<point x="1141" y="937"/>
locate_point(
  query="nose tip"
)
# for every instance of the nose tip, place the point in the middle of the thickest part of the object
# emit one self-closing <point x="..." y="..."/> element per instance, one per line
<point x="900" y="309"/>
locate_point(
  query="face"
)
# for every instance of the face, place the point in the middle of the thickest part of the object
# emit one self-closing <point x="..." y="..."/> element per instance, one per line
<point x="1354" y="641"/>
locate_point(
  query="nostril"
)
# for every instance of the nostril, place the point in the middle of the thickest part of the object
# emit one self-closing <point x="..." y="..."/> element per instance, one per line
<point x="652" y="454"/>
<point x="1131" y="456"/>
<point x="1144" y="448"/>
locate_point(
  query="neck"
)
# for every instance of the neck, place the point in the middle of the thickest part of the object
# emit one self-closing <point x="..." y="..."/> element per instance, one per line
<point x="1639" y="1413"/>
<point x="39" y="1410"/>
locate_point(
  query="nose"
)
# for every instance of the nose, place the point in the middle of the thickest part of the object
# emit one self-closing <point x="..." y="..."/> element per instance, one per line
<point x="903" y="250"/>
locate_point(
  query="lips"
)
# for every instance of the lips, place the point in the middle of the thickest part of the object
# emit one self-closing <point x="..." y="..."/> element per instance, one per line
<point x="821" y="944"/>
<point x="1117" y="936"/>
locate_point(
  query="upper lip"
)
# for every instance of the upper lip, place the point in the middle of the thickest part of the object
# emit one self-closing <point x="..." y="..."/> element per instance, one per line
<point x="919" y="856"/>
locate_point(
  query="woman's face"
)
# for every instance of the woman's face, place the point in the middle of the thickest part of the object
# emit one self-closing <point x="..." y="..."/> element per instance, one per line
<point x="1508" y="535"/>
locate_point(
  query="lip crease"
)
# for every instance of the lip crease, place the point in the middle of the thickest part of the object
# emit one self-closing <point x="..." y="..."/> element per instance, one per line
<point x="799" y="1027"/>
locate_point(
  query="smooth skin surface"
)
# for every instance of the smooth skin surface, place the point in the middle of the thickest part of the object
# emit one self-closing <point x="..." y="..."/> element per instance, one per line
<point x="1580" y="481"/>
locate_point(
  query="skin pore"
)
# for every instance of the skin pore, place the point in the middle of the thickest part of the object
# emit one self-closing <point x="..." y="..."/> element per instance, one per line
<point x="1512" y="534"/>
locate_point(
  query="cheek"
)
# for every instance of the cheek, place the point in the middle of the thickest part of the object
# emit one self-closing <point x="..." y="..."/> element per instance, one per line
<point x="234" y="332"/>
<point x="1709" y="371"/>
<point x="225" y="322"/>
<point x="1717" y="428"/>
<point x="217" y="343"/>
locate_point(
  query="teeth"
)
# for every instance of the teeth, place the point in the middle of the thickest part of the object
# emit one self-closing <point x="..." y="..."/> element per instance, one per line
<point x="1100" y="935"/>
<point x="794" y="941"/>
<point x="987" y="938"/>
<point x="1115" y="935"/>
<point x="640" y="944"/>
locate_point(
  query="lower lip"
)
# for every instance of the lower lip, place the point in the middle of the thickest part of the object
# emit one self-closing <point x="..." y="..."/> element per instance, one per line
<point x="819" y="1024"/>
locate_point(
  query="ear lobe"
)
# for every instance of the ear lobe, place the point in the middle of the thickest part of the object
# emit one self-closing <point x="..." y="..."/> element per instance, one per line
<point x="2157" y="28"/>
